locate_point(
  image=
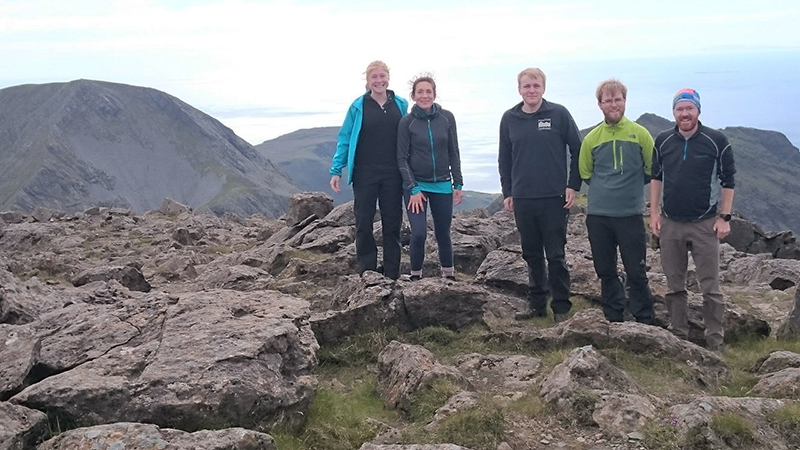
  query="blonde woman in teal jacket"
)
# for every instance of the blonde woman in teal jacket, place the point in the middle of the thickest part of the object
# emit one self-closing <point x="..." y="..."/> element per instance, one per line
<point x="367" y="146"/>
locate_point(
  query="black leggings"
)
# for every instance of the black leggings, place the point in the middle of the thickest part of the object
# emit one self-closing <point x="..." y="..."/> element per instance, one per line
<point x="442" y="211"/>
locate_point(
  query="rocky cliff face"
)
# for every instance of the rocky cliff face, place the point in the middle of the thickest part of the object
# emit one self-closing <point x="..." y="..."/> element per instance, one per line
<point x="69" y="146"/>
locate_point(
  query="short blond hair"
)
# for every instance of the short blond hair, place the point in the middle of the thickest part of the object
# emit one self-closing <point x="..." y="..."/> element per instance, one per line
<point x="375" y="65"/>
<point x="611" y="86"/>
<point x="532" y="72"/>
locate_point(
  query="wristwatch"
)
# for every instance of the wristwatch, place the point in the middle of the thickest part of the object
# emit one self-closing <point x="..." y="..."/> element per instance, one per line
<point x="725" y="217"/>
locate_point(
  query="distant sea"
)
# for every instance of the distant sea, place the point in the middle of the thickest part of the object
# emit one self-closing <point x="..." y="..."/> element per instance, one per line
<point x="758" y="90"/>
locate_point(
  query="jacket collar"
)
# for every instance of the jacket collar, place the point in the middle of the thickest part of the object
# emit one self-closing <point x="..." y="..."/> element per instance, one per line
<point x="622" y="122"/>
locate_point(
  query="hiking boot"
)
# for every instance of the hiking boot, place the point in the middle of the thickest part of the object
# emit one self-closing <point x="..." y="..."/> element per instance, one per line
<point x="529" y="314"/>
<point x="561" y="317"/>
<point x="415" y="277"/>
<point x="451" y="277"/>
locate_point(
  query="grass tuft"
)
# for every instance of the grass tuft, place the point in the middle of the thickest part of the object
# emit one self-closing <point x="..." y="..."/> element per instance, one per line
<point x="476" y="428"/>
<point x="786" y="420"/>
<point x="734" y="429"/>
<point x="426" y="402"/>
<point x="338" y="421"/>
<point x="661" y="434"/>
<point x="743" y="355"/>
<point x="531" y="406"/>
<point x="358" y="350"/>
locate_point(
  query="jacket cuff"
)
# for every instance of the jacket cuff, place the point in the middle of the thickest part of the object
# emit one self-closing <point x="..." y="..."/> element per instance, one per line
<point x="457" y="187"/>
<point x="415" y="190"/>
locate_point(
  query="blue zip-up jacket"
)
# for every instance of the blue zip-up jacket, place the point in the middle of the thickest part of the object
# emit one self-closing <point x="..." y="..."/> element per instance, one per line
<point x="427" y="148"/>
<point x="615" y="161"/>
<point x="692" y="172"/>
<point x="348" y="135"/>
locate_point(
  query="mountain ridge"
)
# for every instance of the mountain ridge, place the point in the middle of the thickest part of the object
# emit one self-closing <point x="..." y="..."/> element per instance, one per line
<point x="85" y="143"/>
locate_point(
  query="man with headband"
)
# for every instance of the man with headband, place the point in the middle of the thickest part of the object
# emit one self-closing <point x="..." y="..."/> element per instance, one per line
<point x="693" y="181"/>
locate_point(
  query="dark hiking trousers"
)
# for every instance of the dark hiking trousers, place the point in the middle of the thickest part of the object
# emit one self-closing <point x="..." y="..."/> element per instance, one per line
<point x="387" y="191"/>
<point x="542" y="226"/>
<point x="606" y="234"/>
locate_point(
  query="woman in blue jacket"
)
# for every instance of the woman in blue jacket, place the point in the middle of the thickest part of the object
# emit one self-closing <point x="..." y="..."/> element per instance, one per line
<point x="428" y="155"/>
<point x="367" y="146"/>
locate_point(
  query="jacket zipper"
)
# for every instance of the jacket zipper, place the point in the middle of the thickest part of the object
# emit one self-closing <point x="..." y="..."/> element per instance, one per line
<point x="433" y="155"/>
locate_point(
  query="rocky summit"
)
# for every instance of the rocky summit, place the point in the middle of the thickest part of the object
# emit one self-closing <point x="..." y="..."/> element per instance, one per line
<point x="71" y="146"/>
<point x="174" y="329"/>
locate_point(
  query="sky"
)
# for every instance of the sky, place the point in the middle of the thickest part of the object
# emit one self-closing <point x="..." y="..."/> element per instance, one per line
<point x="266" y="68"/>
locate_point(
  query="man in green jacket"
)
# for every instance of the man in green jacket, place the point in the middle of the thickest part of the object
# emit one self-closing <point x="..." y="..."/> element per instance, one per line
<point x="615" y="161"/>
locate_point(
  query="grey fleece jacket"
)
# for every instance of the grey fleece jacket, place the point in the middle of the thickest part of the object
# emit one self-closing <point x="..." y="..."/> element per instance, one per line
<point x="427" y="147"/>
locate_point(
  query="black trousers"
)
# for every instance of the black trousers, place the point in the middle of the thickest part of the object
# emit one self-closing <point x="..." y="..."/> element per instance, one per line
<point x="387" y="191"/>
<point x="542" y="226"/>
<point x="606" y="234"/>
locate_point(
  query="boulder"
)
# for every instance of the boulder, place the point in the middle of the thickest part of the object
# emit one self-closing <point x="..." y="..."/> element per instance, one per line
<point x="500" y="373"/>
<point x="12" y="216"/>
<point x="22" y="303"/>
<point x="128" y="276"/>
<point x="762" y="269"/>
<point x="81" y="332"/>
<point x="440" y="302"/>
<point x="182" y="236"/>
<point x="305" y="204"/>
<point x="589" y="327"/>
<point x="243" y="359"/>
<point x="587" y="385"/>
<point x="140" y="436"/>
<point x="462" y="401"/>
<point x="174" y="267"/>
<point x="43" y="214"/>
<point x="743" y="234"/>
<point x="406" y="370"/>
<point x="340" y="216"/>
<point x="19" y="350"/>
<point x="170" y="207"/>
<point x="237" y="278"/>
<point x="582" y="277"/>
<point x="737" y="322"/>
<point x="777" y="361"/>
<point x="30" y="238"/>
<point x="360" y="306"/>
<point x="21" y="428"/>
<point x="327" y="239"/>
<point x="784" y="383"/>
<point x="790" y="329"/>
<point x="505" y="269"/>
<point x="698" y="415"/>
<point x="499" y="228"/>
<point x="470" y="251"/>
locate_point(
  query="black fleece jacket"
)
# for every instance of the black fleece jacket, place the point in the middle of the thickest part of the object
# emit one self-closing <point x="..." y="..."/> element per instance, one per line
<point x="533" y="152"/>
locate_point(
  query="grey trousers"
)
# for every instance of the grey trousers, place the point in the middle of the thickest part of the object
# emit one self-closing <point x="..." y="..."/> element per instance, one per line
<point x="677" y="239"/>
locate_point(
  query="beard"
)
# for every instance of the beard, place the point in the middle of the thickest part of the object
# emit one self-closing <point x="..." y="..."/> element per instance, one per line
<point x="687" y="124"/>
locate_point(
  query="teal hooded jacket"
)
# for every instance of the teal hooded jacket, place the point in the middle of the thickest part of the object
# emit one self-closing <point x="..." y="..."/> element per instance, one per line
<point x="348" y="136"/>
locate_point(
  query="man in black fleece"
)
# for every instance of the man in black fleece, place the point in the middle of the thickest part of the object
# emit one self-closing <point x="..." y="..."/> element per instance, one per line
<point x="537" y="140"/>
